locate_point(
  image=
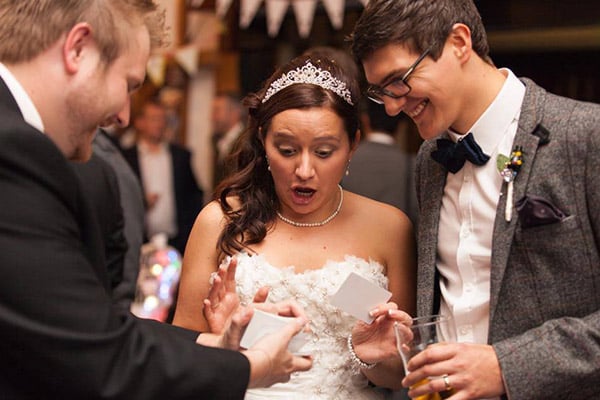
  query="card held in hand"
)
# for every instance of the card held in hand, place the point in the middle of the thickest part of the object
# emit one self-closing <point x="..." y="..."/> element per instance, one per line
<point x="357" y="296"/>
<point x="264" y="323"/>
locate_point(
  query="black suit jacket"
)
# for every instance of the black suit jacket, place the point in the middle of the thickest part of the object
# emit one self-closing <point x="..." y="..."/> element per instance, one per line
<point x="60" y="336"/>
<point x="188" y="195"/>
<point x="99" y="183"/>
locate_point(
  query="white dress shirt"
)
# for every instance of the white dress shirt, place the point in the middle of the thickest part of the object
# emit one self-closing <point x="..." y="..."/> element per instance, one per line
<point x="467" y="217"/>
<point x="156" y="169"/>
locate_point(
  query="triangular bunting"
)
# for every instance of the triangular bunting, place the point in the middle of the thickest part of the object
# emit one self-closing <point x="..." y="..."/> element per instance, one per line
<point x="248" y="9"/>
<point x="222" y="6"/>
<point x="305" y="12"/>
<point x="195" y="3"/>
<point x="156" y="68"/>
<point x="275" y="10"/>
<point x="187" y="58"/>
<point x="335" y="11"/>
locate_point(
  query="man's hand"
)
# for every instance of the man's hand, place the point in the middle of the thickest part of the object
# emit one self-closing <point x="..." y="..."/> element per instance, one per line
<point x="270" y="360"/>
<point x="471" y="370"/>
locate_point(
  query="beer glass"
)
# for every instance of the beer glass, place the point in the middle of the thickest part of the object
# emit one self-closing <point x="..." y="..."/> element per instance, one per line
<point x="424" y="331"/>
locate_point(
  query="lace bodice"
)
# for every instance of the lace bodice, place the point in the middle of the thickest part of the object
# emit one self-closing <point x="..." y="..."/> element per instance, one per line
<point x="332" y="375"/>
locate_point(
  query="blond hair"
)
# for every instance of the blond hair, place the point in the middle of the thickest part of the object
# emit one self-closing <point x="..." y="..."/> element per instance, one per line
<point x="28" y="27"/>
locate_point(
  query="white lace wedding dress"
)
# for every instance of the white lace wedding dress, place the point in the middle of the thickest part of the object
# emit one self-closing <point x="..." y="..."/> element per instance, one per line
<point x="332" y="377"/>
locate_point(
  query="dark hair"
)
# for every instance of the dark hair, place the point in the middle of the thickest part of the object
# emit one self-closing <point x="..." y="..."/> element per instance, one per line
<point x="419" y="24"/>
<point x="251" y="181"/>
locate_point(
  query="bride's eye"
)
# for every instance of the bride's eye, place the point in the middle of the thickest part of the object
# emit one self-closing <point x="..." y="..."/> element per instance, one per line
<point x="323" y="153"/>
<point x="286" y="151"/>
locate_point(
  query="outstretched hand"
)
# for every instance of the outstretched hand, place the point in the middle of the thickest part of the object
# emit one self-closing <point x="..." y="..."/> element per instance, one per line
<point x="270" y="360"/>
<point x="222" y="300"/>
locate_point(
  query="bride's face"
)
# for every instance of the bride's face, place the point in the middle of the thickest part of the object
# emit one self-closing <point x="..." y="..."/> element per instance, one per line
<point x="308" y="152"/>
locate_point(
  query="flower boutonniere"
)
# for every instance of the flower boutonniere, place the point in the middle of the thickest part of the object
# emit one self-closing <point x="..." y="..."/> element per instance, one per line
<point x="509" y="168"/>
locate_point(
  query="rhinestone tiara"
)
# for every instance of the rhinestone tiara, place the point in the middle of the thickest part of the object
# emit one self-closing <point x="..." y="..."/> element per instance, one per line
<point x="308" y="73"/>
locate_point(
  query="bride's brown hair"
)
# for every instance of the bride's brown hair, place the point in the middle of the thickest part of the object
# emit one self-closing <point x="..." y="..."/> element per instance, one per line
<point x="251" y="182"/>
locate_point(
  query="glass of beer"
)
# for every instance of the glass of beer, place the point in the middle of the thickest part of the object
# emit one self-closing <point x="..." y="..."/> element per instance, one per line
<point x="423" y="332"/>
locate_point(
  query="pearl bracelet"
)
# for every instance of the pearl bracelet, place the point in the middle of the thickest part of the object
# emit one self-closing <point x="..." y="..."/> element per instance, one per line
<point x="355" y="359"/>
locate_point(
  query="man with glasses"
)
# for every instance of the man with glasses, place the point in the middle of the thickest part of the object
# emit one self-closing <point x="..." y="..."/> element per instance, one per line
<point x="508" y="183"/>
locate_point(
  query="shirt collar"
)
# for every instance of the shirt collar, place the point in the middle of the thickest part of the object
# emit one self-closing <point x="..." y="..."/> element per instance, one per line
<point x="380" y="137"/>
<point x="488" y="130"/>
<point x="26" y="106"/>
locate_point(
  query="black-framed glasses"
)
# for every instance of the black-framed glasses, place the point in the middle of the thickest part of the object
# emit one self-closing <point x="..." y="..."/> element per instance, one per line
<point x="397" y="87"/>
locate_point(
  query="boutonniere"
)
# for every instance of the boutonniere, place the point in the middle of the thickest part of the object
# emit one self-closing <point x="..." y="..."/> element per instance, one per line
<point x="509" y="168"/>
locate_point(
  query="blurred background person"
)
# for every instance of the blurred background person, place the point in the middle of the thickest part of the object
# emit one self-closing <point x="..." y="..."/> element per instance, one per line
<point x="172" y="195"/>
<point x="227" y="123"/>
<point x="379" y="169"/>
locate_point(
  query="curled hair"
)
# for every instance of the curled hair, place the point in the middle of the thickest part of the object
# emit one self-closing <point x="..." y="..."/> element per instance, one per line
<point x="419" y="24"/>
<point x="29" y="27"/>
<point x="251" y="182"/>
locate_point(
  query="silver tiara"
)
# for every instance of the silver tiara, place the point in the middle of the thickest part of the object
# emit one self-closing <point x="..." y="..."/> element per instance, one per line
<point x="310" y="74"/>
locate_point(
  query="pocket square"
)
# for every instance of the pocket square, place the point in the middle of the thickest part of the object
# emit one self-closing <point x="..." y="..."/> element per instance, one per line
<point x="535" y="211"/>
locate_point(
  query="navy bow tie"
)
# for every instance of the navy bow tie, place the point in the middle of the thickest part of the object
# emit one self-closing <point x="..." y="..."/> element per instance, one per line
<point x="453" y="155"/>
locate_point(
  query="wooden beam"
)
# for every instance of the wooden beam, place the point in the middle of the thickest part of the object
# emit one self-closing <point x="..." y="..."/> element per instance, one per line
<point x="550" y="39"/>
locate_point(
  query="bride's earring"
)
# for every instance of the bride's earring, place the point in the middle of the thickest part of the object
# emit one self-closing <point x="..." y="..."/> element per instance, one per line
<point x="268" y="165"/>
<point x="348" y="168"/>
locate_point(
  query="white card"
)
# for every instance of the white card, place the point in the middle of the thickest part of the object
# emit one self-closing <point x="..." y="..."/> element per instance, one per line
<point x="357" y="296"/>
<point x="264" y="323"/>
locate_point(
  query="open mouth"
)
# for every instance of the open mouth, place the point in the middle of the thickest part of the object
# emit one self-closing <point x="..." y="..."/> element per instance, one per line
<point x="303" y="192"/>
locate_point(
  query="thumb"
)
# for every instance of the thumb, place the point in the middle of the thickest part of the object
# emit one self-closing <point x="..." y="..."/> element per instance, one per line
<point x="294" y="327"/>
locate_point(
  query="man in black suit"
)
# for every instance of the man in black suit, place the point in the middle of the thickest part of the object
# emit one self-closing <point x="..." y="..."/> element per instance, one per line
<point x="65" y="68"/>
<point x="173" y="197"/>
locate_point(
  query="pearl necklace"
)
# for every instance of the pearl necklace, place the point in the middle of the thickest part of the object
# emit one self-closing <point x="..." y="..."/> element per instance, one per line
<point x="314" y="224"/>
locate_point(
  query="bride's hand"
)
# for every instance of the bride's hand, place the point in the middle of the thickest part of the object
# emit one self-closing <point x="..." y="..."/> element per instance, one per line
<point x="376" y="342"/>
<point x="222" y="300"/>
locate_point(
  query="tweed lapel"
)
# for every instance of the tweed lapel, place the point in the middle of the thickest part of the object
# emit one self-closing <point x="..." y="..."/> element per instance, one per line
<point x="432" y="178"/>
<point x="530" y="117"/>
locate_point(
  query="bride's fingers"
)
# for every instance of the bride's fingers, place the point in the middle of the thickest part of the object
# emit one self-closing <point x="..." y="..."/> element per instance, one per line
<point x="229" y="277"/>
<point x="383" y="309"/>
<point x="400" y="317"/>
<point x="261" y="295"/>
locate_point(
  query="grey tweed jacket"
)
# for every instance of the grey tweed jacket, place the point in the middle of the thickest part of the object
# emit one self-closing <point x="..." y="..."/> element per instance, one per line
<point x="545" y="279"/>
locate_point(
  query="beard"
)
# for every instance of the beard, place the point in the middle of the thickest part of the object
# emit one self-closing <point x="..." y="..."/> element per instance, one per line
<point x="82" y="146"/>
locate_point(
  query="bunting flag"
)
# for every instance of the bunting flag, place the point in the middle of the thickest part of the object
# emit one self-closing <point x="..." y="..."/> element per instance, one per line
<point x="275" y="10"/>
<point x="187" y="58"/>
<point x="222" y="6"/>
<point x="195" y="3"/>
<point x="248" y="9"/>
<point x="305" y="12"/>
<point x="156" y="69"/>
<point x="335" y="11"/>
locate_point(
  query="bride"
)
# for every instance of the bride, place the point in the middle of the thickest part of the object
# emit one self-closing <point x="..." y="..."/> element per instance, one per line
<point x="292" y="228"/>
